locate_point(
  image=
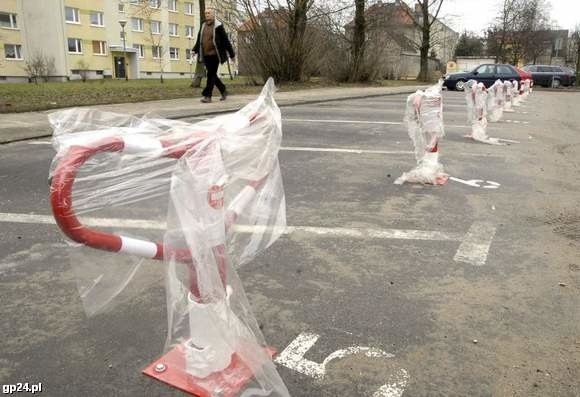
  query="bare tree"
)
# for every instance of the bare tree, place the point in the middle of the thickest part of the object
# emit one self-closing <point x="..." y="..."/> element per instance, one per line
<point x="423" y="16"/>
<point x="520" y="31"/>
<point x="278" y="39"/>
<point x="148" y="10"/>
<point x="38" y="66"/>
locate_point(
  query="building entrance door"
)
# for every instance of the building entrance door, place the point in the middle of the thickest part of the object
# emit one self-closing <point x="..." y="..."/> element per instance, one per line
<point x="120" y="70"/>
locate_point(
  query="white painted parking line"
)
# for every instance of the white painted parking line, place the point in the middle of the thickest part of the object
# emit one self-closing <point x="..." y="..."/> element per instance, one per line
<point x="335" y="121"/>
<point x="476" y="243"/>
<point x="473" y="249"/>
<point x="340" y="150"/>
<point x="364" y="151"/>
<point x="514" y="122"/>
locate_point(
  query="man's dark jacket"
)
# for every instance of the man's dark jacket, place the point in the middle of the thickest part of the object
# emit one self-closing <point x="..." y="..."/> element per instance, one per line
<point x="220" y="41"/>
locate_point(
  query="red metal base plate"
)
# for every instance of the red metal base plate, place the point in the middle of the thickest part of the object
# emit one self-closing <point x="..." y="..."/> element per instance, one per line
<point x="228" y="383"/>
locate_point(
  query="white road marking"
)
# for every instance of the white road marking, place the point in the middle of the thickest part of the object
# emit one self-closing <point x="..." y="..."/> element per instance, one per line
<point x="507" y="140"/>
<point x="476" y="244"/>
<point x="396" y="388"/>
<point x="477" y="183"/>
<point x="340" y="150"/>
<point x="515" y="122"/>
<point x="39" y="143"/>
<point x="464" y="253"/>
<point x="335" y="121"/>
<point x="344" y="150"/>
<point x="293" y="357"/>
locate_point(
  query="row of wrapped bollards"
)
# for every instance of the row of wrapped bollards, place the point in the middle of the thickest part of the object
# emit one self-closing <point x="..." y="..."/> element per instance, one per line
<point x="424" y="122"/>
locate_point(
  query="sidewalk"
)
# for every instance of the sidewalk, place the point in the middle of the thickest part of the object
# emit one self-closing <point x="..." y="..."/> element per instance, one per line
<point x="30" y="125"/>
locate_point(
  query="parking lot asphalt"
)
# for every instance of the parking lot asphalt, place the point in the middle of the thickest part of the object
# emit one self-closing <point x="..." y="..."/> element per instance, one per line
<point x="466" y="289"/>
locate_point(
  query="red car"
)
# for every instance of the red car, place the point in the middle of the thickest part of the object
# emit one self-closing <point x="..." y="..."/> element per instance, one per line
<point x="524" y="74"/>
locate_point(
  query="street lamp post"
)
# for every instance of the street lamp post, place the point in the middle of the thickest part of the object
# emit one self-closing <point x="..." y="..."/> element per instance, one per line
<point x="123" y="23"/>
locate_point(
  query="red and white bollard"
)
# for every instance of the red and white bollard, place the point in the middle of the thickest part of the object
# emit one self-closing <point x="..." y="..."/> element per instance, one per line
<point x="424" y="120"/>
<point x="495" y="101"/>
<point x="214" y="357"/>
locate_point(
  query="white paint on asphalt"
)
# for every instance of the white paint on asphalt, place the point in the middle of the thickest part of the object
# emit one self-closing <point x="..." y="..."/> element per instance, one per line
<point x="336" y="121"/>
<point x="396" y="387"/>
<point x="476" y="244"/>
<point x="480" y="183"/>
<point x="293" y="358"/>
<point x="470" y="251"/>
<point x="341" y="150"/>
<point x="365" y="151"/>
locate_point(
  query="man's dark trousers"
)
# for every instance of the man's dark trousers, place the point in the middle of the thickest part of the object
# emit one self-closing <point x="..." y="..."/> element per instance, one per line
<point x="211" y="64"/>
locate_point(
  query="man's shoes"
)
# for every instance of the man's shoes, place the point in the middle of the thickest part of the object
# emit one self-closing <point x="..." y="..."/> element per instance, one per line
<point x="224" y="96"/>
<point x="206" y="99"/>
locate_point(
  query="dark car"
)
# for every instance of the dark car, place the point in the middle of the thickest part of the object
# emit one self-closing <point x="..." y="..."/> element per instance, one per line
<point x="551" y="76"/>
<point x="486" y="74"/>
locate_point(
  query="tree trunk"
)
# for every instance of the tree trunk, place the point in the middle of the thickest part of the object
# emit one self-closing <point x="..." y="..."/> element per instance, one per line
<point x="358" y="40"/>
<point x="296" y="50"/>
<point x="425" y="42"/>
<point x="199" y="68"/>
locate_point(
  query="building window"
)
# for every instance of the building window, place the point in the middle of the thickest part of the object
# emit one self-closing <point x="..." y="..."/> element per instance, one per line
<point x="75" y="46"/>
<point x="140" y="50"/>
<point x="99" y="47"/>
<point x="173" y="29"/>
<point x="154" y="3"/>
<point x="173" y="53"/>
<point x="156" y="27"/>
<point x="156" y="50"/>
<point x="72" y="15"/>
<point x="188" y="8"/>
<point x="188" y="31"/>
<point x="8" y="20"/>
<point x="12" y="51"/>
<point x="137" y="24"/>
<point x="121" y="7"/>
<point x="97" y="18"/>
<point x="172" y="5"/>
<point x="188" y="53"/>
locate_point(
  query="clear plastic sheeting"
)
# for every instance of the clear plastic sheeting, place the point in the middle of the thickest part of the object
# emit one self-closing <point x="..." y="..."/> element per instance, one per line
<point x="202" y="200"/>
<point x="424" y="121"/>
<point x="509" y="93"/>
<point x="516" y="93"/>
<point x="526" y="88"/>
<point x="495" y="101"/>
<point x="476" y="99"/>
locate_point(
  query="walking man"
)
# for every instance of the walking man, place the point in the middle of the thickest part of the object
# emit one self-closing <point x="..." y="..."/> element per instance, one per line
<point x="213" y="48"/>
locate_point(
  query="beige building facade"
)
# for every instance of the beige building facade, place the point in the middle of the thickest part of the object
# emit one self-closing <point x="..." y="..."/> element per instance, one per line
<point x="97" y="39"/>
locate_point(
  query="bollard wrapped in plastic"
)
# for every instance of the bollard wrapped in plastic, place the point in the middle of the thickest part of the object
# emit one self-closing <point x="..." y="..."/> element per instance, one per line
<point x="495" y="101"/>
<point x="476" y="98"/>
<point x="516" y="98"/>
<point x="218" y="185"/>
<point x="424" y="121"/>
<point x="508" y="92"/>
<point x="526" y="88"/>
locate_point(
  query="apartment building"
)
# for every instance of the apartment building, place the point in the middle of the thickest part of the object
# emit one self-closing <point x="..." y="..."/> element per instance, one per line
<point x="97" y="39"/>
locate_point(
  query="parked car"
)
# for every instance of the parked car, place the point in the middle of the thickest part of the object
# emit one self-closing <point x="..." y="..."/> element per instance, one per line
<point x="551" y="76"/>
<point x="524" y="74"/>
<point x="486" y="74"/>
